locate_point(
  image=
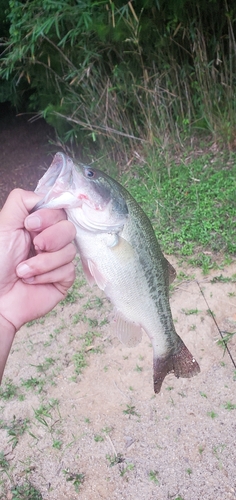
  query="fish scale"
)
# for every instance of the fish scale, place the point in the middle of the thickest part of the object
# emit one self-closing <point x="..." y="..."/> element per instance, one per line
<point x="120" y="253"/>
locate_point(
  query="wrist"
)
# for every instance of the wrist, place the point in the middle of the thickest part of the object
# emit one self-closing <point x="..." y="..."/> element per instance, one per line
<point x="7" y="334"/>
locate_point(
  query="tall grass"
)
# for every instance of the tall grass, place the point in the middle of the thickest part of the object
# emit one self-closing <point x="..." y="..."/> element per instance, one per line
<point x="126" y="73"/>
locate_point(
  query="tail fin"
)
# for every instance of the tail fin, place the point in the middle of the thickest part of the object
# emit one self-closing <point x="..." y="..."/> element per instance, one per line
<point x="181" y="363"/>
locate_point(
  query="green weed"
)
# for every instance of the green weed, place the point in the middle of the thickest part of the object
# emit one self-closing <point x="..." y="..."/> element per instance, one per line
<point x="130" y="410"/>
<point x="217" y="451"/>
<point x="229" y="406"/>
<point x="107" y="430"/>
<point x="153" y="476"/>
<point x="76" y="478"/>
<point x="227" y="337"/>
<point x="43" y="367"/>
<point x="98" y="438"/>
<point x="115" y="459"/>
<point x="44" y="414"/>
<point x="4" y="464"/>
<point x="128" y="467"/>
<point x="25" y="491"/>
<point x="223" y="279"/>
<point x="9" y="390"/>
<point x="15" y="429"/>
<point x="79" y="362"/>
<point x="57" y="444"/>
<point x="38" y="321"/>
<point x="188" y="312"/>
<point x="212" y="414"/>
<point x="33" y="383"/>
<point x="73" y="294"/>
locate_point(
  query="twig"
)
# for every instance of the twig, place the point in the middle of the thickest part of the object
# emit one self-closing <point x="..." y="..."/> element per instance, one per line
<point x="220" y="332"/>
<point x="112" y="445"/>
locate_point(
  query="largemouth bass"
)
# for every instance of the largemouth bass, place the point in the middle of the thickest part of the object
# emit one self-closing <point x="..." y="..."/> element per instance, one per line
<point x="120" y="253"/>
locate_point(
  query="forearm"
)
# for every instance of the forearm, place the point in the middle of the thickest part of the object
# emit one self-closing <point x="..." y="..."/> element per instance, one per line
<point x="7" y="334"/>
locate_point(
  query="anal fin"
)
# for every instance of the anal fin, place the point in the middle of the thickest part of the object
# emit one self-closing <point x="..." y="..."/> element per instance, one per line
<point x="129" y="333"/>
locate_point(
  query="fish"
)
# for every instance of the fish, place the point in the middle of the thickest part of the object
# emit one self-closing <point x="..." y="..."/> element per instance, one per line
<point x="120" y="253"/>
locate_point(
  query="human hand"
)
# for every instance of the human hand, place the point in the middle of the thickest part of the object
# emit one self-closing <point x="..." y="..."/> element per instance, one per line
<point x="36" y="253"/>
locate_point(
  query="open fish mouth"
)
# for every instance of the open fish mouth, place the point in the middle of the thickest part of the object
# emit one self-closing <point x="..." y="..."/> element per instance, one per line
<point x="57" y="183"/>
<point x="66" y="185"/>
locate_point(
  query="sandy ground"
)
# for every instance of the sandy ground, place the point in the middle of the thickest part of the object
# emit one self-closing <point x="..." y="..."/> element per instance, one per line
<point x="78" y="416"/>
<point x="105" y="422"/>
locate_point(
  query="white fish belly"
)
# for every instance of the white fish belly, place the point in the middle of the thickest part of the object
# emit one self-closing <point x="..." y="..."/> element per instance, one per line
<point x="124" y="282"/>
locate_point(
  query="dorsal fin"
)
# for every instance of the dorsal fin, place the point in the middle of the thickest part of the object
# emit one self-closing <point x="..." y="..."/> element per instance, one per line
<point x="171" y="271"/>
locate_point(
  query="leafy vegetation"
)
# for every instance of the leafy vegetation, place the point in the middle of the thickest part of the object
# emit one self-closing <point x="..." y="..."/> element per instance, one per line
<point x="128" y="71"/>
<point x="25" y="491"/>
<point x="76" y="478"/>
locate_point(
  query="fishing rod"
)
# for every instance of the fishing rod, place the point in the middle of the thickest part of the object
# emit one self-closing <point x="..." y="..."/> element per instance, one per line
<point x="220" y="332"/>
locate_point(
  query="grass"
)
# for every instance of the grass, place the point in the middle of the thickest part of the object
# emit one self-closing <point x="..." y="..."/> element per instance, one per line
<point x="153" y="476"/>
<point x="33" y="383"/>
<point x="227" y="337"/>
<point x="8" y="390"/>
<point x="212" y="414"/>
<point x="229" y="406"/>
<point x="188" y="312"/>
<point x="15" y="429"/>
<point x="25" y="491"/>
<point x="130" y="410"/>
<point x="4" y="464"/>
<point x="191" y="205"/>
<point x="115" y="459"/>
<point x="76" y="478"/>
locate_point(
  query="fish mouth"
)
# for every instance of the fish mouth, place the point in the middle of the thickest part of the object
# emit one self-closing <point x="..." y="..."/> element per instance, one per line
<point x="88" y="205"/>
<point x="57" y="185"/>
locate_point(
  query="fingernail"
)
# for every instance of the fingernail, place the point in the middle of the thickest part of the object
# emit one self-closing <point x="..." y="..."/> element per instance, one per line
<point x="33" y="222"/>
<point x="28" y="280"/>
<point x="22" y="270"/>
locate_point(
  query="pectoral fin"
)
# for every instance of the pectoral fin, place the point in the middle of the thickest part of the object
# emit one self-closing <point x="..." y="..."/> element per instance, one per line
<point x="92" y="274"/>
<point x="89" y="277"/>
<point x="130" y="334"/>
<point x="99" y="279"/>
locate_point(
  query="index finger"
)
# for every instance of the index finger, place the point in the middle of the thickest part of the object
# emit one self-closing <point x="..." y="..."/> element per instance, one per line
<point x="44" y="218"/>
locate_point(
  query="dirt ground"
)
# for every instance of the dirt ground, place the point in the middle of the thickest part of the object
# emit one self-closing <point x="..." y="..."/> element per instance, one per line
<point x="78" y="416"/>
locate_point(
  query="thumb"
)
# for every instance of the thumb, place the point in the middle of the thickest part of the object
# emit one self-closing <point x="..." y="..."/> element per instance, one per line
<point x="17" y="207"/>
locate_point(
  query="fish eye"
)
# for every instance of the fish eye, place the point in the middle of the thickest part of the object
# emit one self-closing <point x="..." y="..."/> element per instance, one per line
<point x="89" y="172"/>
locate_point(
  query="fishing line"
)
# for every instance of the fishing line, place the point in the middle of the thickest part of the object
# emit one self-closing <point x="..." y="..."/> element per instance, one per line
<point x="220" y="332"/>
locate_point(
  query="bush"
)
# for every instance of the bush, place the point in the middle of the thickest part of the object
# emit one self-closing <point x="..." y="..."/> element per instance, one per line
<point x="127" y="71"/>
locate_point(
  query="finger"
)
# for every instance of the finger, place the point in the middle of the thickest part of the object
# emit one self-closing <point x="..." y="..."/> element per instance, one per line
<point x="64" y="275"/>
<point x="40" y="220"/>
<point x="55" y="237"/>
<point x="46" y="262"/>
<point x="17" y="207"/>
